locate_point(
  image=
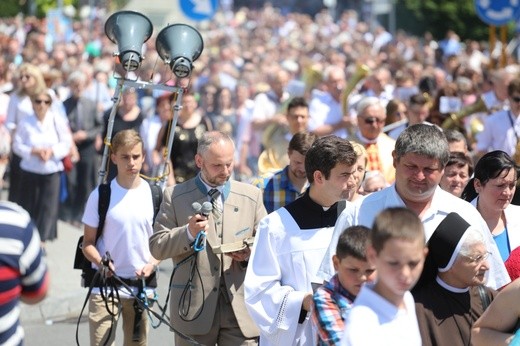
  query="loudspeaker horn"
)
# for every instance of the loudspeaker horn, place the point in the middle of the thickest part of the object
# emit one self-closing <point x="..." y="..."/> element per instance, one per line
<point x="179" y="45"/>
<point x="129" y="30"/>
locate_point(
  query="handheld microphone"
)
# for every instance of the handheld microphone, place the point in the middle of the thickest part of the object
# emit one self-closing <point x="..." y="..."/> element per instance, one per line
<point x="196" y="206"/>
<point x="206" y="209"/>
<point x="200" y="240"/>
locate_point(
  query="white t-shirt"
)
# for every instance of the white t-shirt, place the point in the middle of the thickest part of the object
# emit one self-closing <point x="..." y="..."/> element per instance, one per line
<point x="128" y="225"/>
<point x="149" y="132"/>
<point x="323" y="109"/>
<point x="374" y="321"/>
<point x="498" y="133"/>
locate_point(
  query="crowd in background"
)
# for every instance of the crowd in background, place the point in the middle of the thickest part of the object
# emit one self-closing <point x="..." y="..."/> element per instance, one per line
<point x="248" y="54"/>
<point x="272" y="80"/>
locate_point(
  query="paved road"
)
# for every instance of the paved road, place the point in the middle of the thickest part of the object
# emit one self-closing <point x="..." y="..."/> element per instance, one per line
<point x="53" y="321"/>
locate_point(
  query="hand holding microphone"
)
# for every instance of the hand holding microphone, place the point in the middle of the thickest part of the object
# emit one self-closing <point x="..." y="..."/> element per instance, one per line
<point x="198" y="223"/>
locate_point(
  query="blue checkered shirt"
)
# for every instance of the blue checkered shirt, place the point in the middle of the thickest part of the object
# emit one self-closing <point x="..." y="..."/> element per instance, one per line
<point x="279" y="191"/>
<point x="332" y="303"/>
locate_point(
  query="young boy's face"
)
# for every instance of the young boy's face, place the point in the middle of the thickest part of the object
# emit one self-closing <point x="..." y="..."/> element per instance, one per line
<point x="353" y="273"/>
<point x="129" y="160"/>
<point x="399" y="265"/>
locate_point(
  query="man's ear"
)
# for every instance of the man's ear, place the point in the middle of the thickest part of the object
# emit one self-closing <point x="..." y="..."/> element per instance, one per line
<point x="318" y="177"/>
<point x="394" y="156"/>
<point x="198" y="161"/>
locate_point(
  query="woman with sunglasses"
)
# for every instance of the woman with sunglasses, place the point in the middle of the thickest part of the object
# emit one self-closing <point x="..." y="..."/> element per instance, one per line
<point x="30" y="79"/>
<point x="491" y="191"/>
<point x="42" y="140"/>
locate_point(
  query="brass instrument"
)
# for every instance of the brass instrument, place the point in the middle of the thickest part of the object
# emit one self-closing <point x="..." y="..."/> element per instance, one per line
<point x="361" y="72"/>
<point x="395" y="125"/>
<point x="475" y="126"/>
<point x="274" y="156"/>
<point x="454" y="120"/>
<point x="312" y="76"/>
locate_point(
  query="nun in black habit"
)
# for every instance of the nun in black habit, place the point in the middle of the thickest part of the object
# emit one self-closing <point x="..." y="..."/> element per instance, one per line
<point x="451" y="293"/>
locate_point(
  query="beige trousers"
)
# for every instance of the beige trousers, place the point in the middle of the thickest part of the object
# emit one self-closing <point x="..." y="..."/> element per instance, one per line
<point x="100" y="322"/>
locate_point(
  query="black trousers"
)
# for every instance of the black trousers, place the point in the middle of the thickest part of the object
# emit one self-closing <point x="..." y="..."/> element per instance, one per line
<point x="40" y="196"/>
<point x="81" y="181"/>
<point x="15" y="178"/>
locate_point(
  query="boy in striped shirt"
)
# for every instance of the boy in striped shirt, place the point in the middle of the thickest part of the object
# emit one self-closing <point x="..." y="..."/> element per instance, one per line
<point x="23" y="272"/>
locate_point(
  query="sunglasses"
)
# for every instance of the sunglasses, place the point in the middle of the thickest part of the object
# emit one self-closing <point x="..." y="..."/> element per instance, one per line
<point x="516" y="99"/>
<point x="25" y="76"/>
<point x="39" y="102"/>
<point x="370" y="121"/>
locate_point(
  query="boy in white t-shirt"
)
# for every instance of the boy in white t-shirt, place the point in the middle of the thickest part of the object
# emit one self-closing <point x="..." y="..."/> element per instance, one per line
<point x="384" y="312"/>
<point x="126" y="230"/>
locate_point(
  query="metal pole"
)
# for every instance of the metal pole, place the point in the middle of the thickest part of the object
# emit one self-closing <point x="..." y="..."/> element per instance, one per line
<point x="391" y="19"/>
<point x="492" y="42"/>
<point x="117" y="98"/>
<point x="110" y="128"/>
<point x="503" y="39"/>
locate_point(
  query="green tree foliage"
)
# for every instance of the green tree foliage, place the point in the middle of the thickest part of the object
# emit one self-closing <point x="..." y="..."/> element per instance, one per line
<point x="438" y="16"/>
<point x="10" y="8"/>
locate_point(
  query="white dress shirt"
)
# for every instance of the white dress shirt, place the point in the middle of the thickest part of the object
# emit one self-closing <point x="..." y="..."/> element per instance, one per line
<point x="53" y="132"/>
<point x="498" y="134"/>
<point x="442" y="204"/>
<point x="324" y="110"/>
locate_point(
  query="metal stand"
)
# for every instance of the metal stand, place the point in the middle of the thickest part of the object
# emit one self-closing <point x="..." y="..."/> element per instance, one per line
<point x="176" y="108"/>
<point x="177" y="91"/>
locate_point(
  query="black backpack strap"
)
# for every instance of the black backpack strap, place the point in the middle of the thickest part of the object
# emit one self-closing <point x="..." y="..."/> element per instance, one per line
<point x="156" y="199"/>
<point x="103" y="203"/>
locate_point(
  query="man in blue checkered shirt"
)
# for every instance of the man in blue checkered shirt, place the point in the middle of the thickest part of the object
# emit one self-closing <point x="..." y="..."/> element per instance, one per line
<point x="289" y="183"/>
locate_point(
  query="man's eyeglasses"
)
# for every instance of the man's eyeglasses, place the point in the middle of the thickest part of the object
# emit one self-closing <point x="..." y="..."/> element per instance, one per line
<point x="516" y="99"/>
<point x="372" y="120"/>
<point x="478" y="259"/>
<point x="39" y="102"/>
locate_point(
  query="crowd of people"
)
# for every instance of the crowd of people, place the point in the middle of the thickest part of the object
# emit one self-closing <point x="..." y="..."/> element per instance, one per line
<point x="350" y="157"/>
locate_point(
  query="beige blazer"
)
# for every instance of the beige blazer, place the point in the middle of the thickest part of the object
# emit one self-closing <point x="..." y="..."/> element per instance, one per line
<point x="243" y="209"/>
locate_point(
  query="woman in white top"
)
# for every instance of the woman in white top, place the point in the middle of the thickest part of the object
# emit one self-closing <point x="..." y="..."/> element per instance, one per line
<point x="42" y="140"/>
<point x="29" y="78"/>
<point x="491" y="191"/>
